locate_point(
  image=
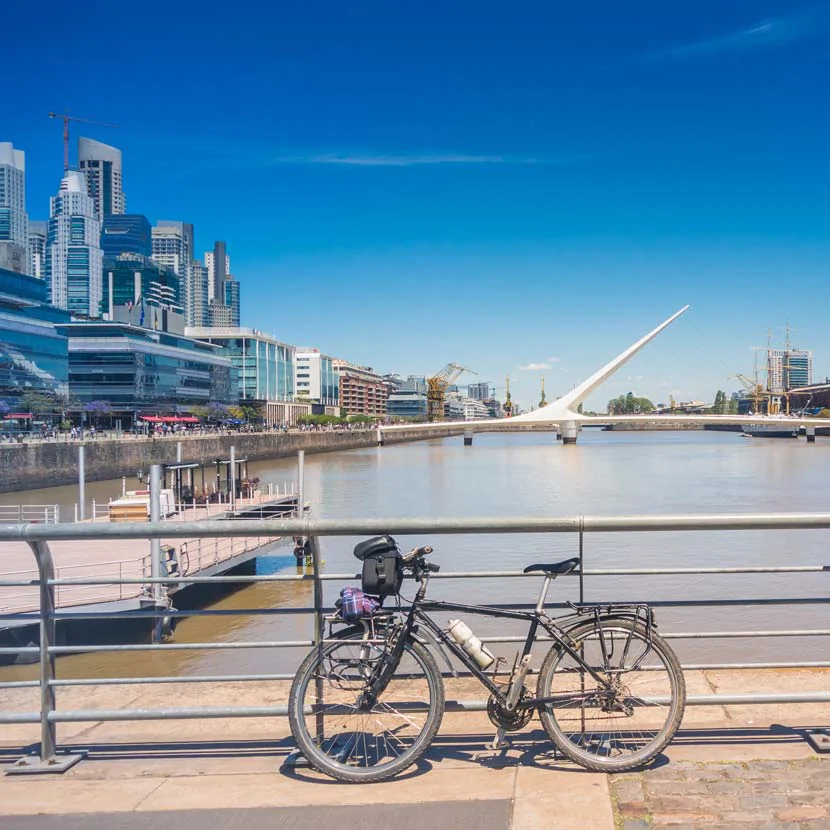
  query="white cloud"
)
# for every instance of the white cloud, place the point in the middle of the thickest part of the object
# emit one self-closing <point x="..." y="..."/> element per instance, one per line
<point x="553" y="360"/>
<point x="534" y="367"/>
<point x="402" y="159"/>
<point x="807" y="23"/>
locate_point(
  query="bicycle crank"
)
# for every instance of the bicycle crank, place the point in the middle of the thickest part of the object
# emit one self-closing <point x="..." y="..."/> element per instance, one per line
<point x="510" y="721"/>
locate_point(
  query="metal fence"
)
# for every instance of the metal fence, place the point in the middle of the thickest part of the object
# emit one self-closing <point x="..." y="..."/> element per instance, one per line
<point x="48" y="583"/>
<point x="19" y="513"/>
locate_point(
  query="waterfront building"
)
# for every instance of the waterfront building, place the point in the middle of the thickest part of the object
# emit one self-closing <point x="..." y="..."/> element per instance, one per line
<point x="37" y="249"/>
<point x="265" y="366"/>
<point x="73" y="254"/>
<point x="125" y="233"/>
<point x="34" y="356"/>
<point x="101" y="165"/>
<point x="139" y="283"/>
<point x="406" y="403"/>
<point x="459" y="407"/>
<point x="13" y="219"/>
<point x="138" y="371"/>
<point x="172" y="247"/>
<point x="479" y="391"/>
<point x="362" y="390"/>
<point x="788" y="369"/>
<point x="316" y="381"/>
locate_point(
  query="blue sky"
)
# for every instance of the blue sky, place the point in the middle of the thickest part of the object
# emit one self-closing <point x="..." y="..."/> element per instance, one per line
<point x="501" y="185"/>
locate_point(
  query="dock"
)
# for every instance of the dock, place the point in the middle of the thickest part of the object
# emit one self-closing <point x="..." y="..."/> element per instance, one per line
<point x="131" y="559"/>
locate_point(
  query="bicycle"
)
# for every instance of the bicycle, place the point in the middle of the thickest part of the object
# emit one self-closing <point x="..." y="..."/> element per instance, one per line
<point x="368" y="700"/>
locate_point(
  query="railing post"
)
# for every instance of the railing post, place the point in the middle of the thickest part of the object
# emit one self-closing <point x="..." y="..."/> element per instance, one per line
<point x="581" y="563"/>
<point x="82" y="481"/>
<point x="300" y="483"/>
<point x="49" y="760"/>
<point x="319" y="624"/>
<point x="232" y="494"/>
<point x="155" y="544"/>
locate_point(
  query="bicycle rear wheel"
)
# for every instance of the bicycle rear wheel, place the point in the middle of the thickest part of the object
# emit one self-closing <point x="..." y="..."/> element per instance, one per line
<point x="358" y="746"/>
<point x="621" y="724"/>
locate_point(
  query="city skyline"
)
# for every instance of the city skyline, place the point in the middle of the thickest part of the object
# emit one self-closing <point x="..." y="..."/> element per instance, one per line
<point x="529" y="191"/>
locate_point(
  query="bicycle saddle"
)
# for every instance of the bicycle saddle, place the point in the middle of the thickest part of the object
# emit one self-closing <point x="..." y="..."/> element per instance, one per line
<point x="564" y="567"/>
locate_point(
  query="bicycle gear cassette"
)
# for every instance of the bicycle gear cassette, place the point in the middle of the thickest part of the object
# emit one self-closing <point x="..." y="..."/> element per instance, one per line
<point x="513" y="721"/>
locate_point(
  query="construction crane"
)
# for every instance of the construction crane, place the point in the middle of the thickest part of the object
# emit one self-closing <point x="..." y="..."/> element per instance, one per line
<point x="66" y="119"/>
<point x="755" y="390"/>
<point x="437" y="388"/>
<point x="543" y="400"/>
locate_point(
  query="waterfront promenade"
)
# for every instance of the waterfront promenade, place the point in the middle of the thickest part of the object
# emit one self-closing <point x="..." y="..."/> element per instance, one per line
<point x="736" y="767"/>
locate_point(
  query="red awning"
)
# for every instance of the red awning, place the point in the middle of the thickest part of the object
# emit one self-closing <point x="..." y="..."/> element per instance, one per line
<point x="169" y="419"/>
<point x="18" y="415"/>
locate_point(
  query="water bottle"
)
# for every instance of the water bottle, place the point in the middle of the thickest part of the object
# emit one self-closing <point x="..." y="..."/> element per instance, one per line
<point x="461" y="633"/>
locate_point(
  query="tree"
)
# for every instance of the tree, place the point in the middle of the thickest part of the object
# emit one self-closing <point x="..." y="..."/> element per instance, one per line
<point x="95" y="409"/>
<point x="629" y="405"/>
<point x="719" y="406"/>
<point x="217" y="411"/>
<point x="37" y="403"/>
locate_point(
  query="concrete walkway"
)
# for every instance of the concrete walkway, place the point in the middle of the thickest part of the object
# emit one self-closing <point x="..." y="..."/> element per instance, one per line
<point x="731" y="767"/>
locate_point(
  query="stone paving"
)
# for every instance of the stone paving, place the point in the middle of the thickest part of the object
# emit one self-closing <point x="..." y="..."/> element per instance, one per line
<point x="747" y="795"/>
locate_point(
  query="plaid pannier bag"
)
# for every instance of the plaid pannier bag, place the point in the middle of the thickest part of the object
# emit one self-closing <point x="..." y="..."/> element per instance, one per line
<point x="355" y="605"/>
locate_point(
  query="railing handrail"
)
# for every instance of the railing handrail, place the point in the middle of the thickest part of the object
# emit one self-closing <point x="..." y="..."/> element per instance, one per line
<point x="403" y="526"/>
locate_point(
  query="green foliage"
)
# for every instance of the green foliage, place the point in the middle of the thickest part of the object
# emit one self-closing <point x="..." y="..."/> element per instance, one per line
<point x="719" y="407"/>
<point x="38" y="403"/>
<point x="629" y="405"/>
<point x="825" y="413"/>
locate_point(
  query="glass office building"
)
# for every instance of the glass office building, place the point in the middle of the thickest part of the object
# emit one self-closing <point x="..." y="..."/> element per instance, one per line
<point x="126" y="233"/>
<point x="265" y="365"/>
<point x="33" y="355"/>
<point x="145" y="372"/>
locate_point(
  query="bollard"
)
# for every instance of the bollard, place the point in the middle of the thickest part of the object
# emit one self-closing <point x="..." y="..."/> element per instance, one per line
<point x="811" y="435"/>
<point x="468" y="438"/>
<point x="379" y="434"/>
<point x="569" y="430"/>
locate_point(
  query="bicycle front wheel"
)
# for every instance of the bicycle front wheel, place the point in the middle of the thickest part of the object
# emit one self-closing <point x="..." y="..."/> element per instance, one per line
<point x="627" y="718"/>
<point x="364" y="745"/>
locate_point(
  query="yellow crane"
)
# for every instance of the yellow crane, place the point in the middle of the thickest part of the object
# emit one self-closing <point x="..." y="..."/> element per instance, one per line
<point x="66" y="117"/>
<point x="756" y="390"/>
<point x="437" y="387"/>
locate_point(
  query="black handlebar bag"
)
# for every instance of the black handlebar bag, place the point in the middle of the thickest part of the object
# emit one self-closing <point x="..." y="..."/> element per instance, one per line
<point x="382" y="566"/>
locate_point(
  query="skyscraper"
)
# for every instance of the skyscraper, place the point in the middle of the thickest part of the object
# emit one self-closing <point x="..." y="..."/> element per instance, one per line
<point x="223" y="289"/>
<point x="125" y="233"/>
<point x="37" y="249"/>
<point x="73" y="254"/>
<point x="218" y="264"/>
<point x="101" y="164"/>
<point x="789" y="369"/>
<point x="198" y="298"/>
<point x="13" y="219"/>
<point x="173" y="248"/>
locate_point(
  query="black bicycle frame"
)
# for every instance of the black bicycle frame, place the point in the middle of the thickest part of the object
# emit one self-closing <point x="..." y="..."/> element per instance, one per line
<point x="418" y="613"/>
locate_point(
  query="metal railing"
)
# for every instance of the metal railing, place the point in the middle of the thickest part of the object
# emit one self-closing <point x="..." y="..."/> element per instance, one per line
<point x="48" y="582"/>
<point x="22" y="513"/>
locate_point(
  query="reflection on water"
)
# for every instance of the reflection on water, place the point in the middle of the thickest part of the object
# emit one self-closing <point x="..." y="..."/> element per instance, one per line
<point x="658" y="473"/>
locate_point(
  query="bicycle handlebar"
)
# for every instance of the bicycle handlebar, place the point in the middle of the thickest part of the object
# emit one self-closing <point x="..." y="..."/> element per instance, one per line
<point x="416" y="553"/>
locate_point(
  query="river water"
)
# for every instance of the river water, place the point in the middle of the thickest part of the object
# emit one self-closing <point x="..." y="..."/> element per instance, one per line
<point x="529" y="474"/>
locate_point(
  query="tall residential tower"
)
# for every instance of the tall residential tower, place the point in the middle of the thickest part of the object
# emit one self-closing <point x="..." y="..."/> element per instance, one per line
<point x="101" y="164"/>
<point x="74" y="258"/>
<point x="13" y="220"/>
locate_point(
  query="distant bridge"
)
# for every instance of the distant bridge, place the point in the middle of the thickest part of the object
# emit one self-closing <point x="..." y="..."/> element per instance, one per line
<point x="563" y="416"/>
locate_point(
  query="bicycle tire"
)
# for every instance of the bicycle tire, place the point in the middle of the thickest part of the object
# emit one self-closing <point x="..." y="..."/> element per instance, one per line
<point x="350" y="756"/>
<point x="601" y="747"/>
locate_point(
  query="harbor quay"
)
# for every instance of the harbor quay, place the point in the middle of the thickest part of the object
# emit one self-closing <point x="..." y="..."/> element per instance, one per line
<point x="730" y="766"/>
